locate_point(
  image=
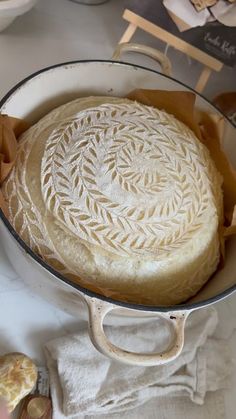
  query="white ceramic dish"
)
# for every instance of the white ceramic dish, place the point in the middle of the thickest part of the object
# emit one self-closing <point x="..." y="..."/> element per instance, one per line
<point x="10" y="9"/>
<point x="31" y="99"/>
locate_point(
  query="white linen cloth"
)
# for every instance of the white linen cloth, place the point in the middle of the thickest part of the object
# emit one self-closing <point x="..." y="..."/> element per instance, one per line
<point x="225" y="13"/>
<point x="186" y="16"/>
<point x="86" y="384"/>
<point x="185" y="11"/>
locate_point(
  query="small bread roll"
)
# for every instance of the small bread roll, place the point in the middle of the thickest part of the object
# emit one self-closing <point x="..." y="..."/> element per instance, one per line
<point x="18" y="375"/>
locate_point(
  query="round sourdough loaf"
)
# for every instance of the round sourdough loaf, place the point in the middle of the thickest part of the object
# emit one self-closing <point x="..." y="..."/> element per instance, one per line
<point x="119" y="196"/>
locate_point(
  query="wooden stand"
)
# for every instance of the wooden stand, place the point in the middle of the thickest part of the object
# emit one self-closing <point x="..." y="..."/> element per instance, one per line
<point x="210" y="63"/>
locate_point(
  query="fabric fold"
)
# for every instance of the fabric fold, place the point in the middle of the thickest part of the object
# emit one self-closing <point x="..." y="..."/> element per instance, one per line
<point x="84" y="382"/>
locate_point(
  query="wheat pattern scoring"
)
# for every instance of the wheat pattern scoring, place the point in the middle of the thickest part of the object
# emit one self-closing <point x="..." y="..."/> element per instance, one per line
<point x="129" y="178"/>
<point x="118" y="195"/>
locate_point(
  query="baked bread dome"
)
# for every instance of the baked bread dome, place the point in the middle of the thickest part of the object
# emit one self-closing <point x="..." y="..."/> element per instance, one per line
<point x="118" y="196"/>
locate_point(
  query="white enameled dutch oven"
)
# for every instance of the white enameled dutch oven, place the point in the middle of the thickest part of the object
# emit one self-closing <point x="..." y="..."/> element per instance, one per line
<point x="34" y="97"/>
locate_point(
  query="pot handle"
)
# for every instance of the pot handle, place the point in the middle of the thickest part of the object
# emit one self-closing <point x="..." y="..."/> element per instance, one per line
<point x="143" y="49"/>
<point x="99" y="309"/>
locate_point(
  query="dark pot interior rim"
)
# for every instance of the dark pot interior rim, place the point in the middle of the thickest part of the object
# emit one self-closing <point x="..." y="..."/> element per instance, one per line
<point x="27" y="249"/>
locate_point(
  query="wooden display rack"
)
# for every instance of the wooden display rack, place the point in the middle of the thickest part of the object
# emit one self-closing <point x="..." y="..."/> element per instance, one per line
<point x="137" y="22"/>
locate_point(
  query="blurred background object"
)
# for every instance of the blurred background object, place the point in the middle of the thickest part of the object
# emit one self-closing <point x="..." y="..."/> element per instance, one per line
<point x="90" y="2"/>
<point x="10" y="9"/>
<point x="226" y="103"/>
<point x="180" y="26"/>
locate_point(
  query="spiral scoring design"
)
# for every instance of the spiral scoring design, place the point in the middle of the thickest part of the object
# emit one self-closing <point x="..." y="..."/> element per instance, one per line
<point x="129" y="178"/>
<point x="118" y="196"/>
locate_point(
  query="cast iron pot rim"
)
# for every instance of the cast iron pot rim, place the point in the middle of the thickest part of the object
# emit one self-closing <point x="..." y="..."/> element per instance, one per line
<point x="92" y="294"/>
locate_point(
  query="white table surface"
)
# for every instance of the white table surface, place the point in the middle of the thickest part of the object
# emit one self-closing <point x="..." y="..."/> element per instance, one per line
<point x="56" y="31"/>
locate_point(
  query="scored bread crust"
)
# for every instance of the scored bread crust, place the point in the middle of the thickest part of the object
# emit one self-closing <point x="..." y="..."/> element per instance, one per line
<point x="120" y="196"/>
